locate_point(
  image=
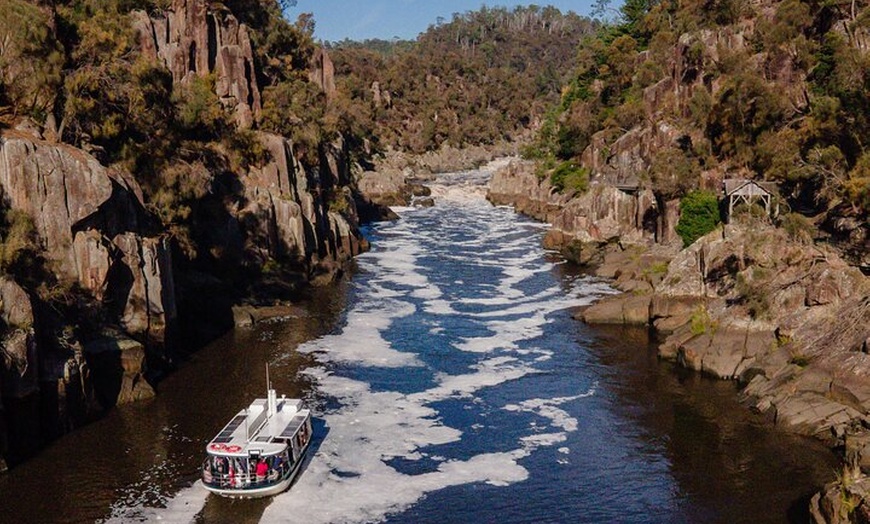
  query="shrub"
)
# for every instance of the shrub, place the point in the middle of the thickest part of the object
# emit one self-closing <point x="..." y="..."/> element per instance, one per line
<point x="569" y="176"/>
<point x="199" y="109"/>
<point x="18" y="242"/>
<point x="753" y="295"/>
<point x="31" y="58"/>
<point x="798" y="227"/>
<point x="699" y="214"/>
<point x="701" y="323"/>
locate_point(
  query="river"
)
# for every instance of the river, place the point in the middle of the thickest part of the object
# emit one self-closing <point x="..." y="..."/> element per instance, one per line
<point x="449" y="384"/>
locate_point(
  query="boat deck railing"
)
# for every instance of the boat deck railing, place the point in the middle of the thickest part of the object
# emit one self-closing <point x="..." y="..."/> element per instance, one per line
<point x="243" y="480"/>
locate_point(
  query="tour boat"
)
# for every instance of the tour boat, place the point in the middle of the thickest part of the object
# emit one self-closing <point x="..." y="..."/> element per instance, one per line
<point x="259" y="452"/>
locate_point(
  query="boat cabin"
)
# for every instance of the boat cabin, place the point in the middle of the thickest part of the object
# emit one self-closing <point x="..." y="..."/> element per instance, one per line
<point x="259" y="451"/>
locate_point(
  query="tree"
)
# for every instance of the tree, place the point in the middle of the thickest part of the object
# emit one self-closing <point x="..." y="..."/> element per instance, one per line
<point x="699" y="215"/>
<point x="31" y="59"/>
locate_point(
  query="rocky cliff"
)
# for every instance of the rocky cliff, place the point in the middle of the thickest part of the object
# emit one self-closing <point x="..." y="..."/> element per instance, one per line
<point x="195" y="38"/>
<point x="97" y="236"/>
<point x="93" y="230"/>
<point x="788" y="319"/>
<point x="98" y="314"/>
<point x="585" y="224"/>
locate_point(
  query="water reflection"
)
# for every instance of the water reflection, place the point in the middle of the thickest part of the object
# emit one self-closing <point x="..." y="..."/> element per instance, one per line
<point x="139" y="454"/>
<point x="732" y="465"/>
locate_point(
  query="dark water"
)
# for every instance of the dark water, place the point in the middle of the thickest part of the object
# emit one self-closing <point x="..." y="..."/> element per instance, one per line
<point x="450" y="384"/>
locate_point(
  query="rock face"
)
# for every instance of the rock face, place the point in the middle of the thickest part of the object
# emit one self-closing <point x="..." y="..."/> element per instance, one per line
<point x="788" y="320"/>
<point x="89" y="220"/>
<point x="195" y="38"/>
<point x="94" y="231"/>
<point x="583" y="223"/>
<point x="286" y="217"/>
<point x="118" y="366"/>
<point x="323" y="72"/>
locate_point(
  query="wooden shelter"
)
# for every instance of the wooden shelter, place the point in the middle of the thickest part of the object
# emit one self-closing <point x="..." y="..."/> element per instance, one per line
<point x="743" y="191"/>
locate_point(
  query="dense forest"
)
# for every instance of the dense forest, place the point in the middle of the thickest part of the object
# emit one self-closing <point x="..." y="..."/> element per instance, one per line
<point x="482" y="77"/>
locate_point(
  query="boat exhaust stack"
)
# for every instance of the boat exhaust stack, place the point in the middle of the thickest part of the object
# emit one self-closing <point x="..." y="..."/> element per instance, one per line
<point x="271" y="397"/>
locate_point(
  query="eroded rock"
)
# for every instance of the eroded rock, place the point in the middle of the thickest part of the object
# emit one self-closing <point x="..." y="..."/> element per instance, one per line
<point x="193" y="39"/>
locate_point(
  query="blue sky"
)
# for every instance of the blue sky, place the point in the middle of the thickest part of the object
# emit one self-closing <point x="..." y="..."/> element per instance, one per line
<point x="385" y="19"/>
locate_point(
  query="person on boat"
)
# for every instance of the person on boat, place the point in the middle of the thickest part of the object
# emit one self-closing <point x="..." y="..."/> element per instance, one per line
<point x="262" y="470"/>
<point x="206" y="473"/>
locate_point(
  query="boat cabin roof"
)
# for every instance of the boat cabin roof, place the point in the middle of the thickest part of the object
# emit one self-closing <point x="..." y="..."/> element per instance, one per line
<point x="253" y="432"/>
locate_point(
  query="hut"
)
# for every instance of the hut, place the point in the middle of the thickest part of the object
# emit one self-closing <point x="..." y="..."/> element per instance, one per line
<point x="744" y="191"/>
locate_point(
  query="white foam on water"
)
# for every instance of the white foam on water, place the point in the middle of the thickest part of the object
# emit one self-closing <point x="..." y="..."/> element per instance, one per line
<point x="180" y="508"/>
<point x="352" y="477"/>
<point x="547" y="408"/>
<point x="348" y="480"/>
<point x="540" y="440"/>
<point x="364" y="344"/>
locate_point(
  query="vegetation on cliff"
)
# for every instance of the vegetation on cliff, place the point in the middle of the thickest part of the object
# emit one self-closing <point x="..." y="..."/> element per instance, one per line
<point x="77" y="69"/>
<point x="479" y="78"/>
<point x="163" y="160"/>
<point x="773" y="90"/>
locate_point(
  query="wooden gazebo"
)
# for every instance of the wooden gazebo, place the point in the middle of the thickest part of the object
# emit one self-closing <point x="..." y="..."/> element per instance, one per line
<point x="743" y="191"/>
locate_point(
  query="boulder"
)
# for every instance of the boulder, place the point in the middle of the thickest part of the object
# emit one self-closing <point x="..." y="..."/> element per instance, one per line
<point x="385" y="188"/>
<point x="18" y="349"/>
<point x="626" y="309"/>
<point x="16" y="309"/>
<point x="119" y="367"/>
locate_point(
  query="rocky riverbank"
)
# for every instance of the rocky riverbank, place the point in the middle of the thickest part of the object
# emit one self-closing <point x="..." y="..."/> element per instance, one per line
<point x="787" y="318"/>
<point x="101" y="294"/>
<point x="398" y="178"/>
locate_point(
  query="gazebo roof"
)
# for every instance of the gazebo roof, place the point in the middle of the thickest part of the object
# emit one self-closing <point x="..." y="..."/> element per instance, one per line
<point x="742" y="186"/>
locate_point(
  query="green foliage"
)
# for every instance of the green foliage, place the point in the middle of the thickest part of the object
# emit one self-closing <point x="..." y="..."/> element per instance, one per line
<point x="19" y="244"/>
<point x="799" y="360"/>
<point x="798" y="227"/>
<point x="752" y="294"/>
<point x="568" y="176"/>
<point x="114" y="98"/>
<point x="700" y="322"/>
<point x="246" y="149"/>
<point x="674" y="172"/>
<point x="198" y="109"/>
<point x="699" y="215"/>
<point x="295" y="109"/>
<point x="31" y="59"/>
<point x="479" y="78"/>
<point x="745" y="108"/>
<point x="858" y="184"/>
<point x="337" y="202"/>
<point x="173" y="192"/>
